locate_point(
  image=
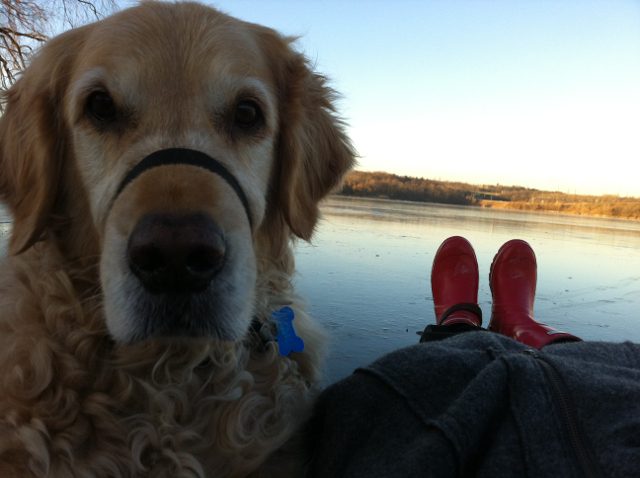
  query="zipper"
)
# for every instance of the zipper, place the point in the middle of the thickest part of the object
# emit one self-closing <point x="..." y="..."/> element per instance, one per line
<point x="562" y="398"/>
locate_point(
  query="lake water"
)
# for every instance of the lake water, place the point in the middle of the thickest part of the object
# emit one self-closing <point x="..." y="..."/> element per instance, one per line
<point x="366" y="274"/>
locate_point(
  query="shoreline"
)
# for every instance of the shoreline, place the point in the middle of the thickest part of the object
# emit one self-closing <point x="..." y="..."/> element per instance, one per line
<point x="514" y="198"/>
<point x="481" y="205"/>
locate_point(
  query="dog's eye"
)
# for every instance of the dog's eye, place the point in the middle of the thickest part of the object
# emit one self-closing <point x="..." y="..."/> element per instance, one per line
<point x="101" y="106"/>
<point x="247" y="115"/>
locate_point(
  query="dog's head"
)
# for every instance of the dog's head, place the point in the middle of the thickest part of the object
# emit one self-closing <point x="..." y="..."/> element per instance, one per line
<point x="179" y="138"/>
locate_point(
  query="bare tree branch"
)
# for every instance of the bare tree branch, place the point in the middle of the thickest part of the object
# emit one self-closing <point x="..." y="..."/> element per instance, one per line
<point x="26" y="24"/>
<point x="90" y="6"/>
<point x="12" y="34"/>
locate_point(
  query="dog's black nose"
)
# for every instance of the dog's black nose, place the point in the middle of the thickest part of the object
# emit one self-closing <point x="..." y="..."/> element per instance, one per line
<point x="174" y="253"/>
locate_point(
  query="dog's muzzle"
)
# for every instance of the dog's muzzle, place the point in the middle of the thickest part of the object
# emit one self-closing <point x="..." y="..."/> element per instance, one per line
<point x="178" y="253"/>
<point x="188" y="157"/>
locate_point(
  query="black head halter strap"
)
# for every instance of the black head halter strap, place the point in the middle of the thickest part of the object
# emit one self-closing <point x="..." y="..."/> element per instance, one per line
<point x="189" y="157"/>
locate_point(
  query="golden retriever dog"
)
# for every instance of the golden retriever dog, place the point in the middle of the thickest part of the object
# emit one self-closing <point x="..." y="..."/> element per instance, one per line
<point x="158" y="165"/>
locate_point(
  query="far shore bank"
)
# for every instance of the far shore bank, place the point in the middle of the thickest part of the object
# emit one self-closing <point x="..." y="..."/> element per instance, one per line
<point x="516" y="198"/>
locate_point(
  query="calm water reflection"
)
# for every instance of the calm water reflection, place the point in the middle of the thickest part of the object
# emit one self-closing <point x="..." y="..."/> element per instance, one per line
<point x="366" y="275"/>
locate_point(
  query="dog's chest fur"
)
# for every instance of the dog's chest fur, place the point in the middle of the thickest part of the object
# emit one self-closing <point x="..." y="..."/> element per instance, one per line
<point x="77" y="405"/>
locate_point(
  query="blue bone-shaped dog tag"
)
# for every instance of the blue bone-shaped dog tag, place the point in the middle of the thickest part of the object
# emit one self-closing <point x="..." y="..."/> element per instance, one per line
<point x="286" y="336"/>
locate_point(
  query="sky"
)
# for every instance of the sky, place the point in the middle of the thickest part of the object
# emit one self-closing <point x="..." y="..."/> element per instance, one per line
<point x="537" y="93"/>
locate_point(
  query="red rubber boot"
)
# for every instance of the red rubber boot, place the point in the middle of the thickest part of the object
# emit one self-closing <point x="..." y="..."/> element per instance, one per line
<point x="454" y="283"/>
<point x="513" y="286"/>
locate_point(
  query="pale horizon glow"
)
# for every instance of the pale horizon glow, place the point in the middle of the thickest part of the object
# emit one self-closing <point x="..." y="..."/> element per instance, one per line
<point x="541" y="94"/>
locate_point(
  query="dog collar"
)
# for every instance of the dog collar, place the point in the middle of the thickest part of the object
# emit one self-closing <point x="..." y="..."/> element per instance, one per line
<point x="189" y="157"/>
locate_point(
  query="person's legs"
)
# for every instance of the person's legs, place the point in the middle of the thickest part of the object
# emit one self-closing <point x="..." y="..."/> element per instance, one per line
<point x="454" y="285"/>
<point x="513" y="286"/>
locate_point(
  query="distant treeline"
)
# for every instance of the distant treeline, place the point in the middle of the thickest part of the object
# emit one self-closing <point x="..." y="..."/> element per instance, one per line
<point x="391" y="186"/>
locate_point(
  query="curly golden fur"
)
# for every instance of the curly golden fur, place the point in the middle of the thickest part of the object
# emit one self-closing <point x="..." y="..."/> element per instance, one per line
<point x="83" y="392"/>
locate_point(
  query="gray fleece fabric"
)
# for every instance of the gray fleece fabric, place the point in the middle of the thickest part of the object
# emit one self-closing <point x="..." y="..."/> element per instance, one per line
<point x="480" y="404"/>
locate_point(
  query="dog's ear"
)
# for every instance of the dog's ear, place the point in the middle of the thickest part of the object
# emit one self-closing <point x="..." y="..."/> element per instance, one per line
<point x="313" y="151"/>
<point x="32" y="141"/>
